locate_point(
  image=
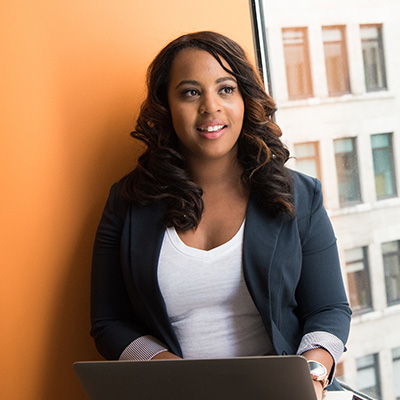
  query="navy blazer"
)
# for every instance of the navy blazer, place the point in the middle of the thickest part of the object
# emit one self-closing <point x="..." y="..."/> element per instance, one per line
<point x="291" y="269"/>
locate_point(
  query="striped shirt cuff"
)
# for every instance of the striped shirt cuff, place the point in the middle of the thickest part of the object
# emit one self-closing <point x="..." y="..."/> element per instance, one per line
<point x="144" y="348"/>
<point x="325" y="340"/>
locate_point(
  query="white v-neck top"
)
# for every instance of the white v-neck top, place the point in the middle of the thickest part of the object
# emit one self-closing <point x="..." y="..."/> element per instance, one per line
<point x="207" y="299"/>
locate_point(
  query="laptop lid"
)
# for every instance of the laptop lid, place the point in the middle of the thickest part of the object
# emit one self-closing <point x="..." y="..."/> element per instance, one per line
<point x="256" y="378"/>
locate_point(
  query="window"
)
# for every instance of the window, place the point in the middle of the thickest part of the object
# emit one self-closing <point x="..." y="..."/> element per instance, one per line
<point x="347" y="171"/>
<point x="391" y="263"/>
<point x="298" y="74"/>
<point x="373" y="57"/>
<point x="307" y="158"/>
<point x="336" y="60"/>
<point x="358" y="279"/>
<point x="368" y="375"/>
<point x="349" y="52"/>
<point x="382" y="153"/>
<point x="396" y="372"/>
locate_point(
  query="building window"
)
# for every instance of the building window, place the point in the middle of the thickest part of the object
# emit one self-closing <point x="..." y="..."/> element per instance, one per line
<point x="368" y="375"/>
<point x="396" y="372"/>
<point x="347" y="171"/>
<point x="382" y="152"/>
<point x="297" y="60"/>
<point x="374" y="60"/>
<point x="358" y="279"/>
<point x="337" y="70"/>
<point x="307" y="158"/>
<point x="391" y="263"/>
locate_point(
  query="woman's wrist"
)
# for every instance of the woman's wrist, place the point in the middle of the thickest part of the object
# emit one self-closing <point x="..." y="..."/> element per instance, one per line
<point x="165" y="355"/>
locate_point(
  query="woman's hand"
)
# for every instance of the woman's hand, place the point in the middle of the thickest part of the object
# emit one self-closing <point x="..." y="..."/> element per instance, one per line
<point x="166" y="355"/>
<point x="318" y="390"/>
<point x="324" y="357"/>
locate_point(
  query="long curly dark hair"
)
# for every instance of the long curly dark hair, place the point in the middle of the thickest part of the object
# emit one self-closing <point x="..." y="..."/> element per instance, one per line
<point x="162" y="173"/>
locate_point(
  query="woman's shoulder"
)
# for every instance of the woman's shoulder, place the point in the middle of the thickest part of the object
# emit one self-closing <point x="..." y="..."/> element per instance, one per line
<point x="303" y="182"/>
<point x="116" y="202"/>
<point x="121" y="202"/>
<point x="307" y="193"/>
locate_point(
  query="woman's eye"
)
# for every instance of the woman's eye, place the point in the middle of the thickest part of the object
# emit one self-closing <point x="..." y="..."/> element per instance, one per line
<point x="228" y="89"/>
<point x="190" y="93"/>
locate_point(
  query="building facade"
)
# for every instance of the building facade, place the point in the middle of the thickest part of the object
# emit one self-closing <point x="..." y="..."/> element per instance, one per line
<point x="335" y="75"/>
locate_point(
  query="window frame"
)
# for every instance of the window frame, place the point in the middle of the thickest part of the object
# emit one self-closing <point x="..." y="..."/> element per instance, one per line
<point x="367" y="276"/>
<point x="307" y="76"/>
<point x="316" y="157"/>
<point x="392" y="165"/>
<point x="355" y="172"/>
<point x="375" y="365"/>
<point x="396" y="359"/>
<point x="345" y="71"/>
<point x="381" y="52"/>
<point x="387" y="255"/>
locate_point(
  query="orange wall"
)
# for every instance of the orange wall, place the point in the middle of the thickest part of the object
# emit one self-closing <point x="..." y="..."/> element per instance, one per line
<point x="71" y="83"/>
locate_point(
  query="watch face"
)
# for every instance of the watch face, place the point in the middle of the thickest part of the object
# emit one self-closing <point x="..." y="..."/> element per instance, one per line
<point x="317" y="369"/>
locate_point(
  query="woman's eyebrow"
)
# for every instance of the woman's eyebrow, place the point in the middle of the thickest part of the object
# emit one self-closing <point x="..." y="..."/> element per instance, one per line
<point x="226" y="78"/>
<point x="196" y="83"/>
<point x="187" y="82"/>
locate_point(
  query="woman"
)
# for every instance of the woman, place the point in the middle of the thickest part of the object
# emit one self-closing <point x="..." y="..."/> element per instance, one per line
<point x="211" y="247"/>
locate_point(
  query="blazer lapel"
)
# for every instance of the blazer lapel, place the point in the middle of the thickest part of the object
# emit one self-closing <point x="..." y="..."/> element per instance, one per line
<point x="147" y="234"/>
<point x="259" y="243"/>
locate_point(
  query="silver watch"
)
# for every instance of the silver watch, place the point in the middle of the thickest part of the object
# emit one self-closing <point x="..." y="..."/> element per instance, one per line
<point x="318" y="372"/>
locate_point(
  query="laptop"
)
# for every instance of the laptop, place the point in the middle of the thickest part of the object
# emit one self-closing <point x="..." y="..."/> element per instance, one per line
<point x="255" y="378"/>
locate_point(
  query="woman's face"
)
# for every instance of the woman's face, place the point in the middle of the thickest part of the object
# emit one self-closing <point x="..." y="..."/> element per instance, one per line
<point x="206" y="106"/>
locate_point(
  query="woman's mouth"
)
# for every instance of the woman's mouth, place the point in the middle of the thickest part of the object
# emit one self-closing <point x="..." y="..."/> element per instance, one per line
<point x="212" y="131"/>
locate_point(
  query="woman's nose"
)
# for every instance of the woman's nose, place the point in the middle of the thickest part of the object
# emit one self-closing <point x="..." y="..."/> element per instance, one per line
<point x="209" y="103"/>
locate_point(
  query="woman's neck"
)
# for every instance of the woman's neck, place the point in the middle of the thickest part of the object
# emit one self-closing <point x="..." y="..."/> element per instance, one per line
<point x="225" y="199"/>
<point x="212" y="174"/>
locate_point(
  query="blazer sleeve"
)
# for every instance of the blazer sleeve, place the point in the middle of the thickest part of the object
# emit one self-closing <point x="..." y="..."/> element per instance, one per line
<point x="112" y="317"/>
<point x="321" y="296"/>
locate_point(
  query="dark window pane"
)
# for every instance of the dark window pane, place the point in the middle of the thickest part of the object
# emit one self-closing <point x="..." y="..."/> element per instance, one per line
<point x="358" y="279"/>
<point x="396" y="372"/>
<point x="382" y="153"/>
<point x="368" y="376"/>
<point x="391" y="263"/>
<point x="347" y="171"/>
<point x="373" y="57"/>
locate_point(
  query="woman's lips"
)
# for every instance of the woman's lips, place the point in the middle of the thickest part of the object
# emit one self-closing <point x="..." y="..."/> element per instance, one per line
<point x="211" y="131"/>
